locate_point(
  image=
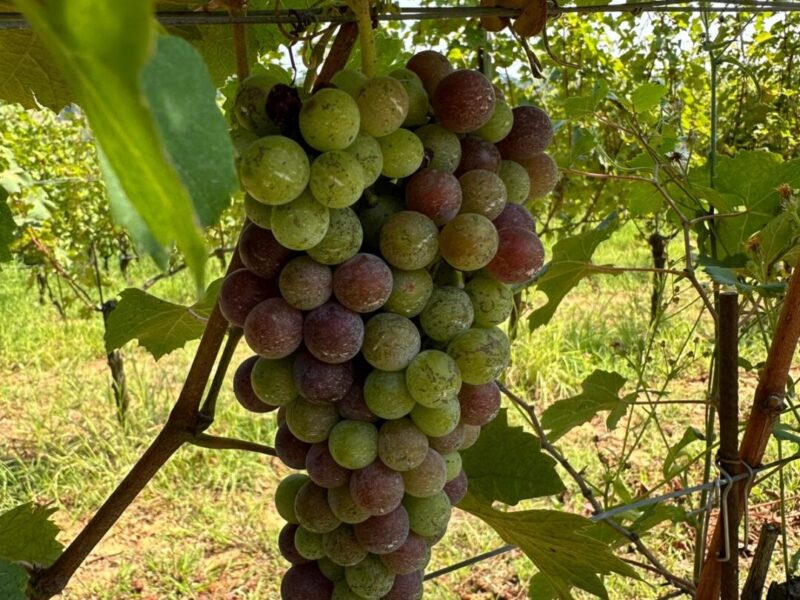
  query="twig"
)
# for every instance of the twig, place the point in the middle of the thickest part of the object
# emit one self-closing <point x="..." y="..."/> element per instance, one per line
<point x="82" y="294"/>
<point x="216" y="442"/>
<point x="209" y="408"/>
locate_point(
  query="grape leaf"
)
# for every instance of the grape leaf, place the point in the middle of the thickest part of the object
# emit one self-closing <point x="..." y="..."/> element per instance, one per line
<point x="159" y="326"/>
<point x="569" y="266"/>
<point x="647" y="96"/>
<point x="13" y="581"/>
<point x="27" y="73"/>
<point x="7" y="227"/>
<point x="600" y="392"/>
<point x="506" y="464"/>
<point x="101" y="49"/>
<point x="28" y="534"/>
<point x="557" y="543"/>
<point x="672" y="466"/>
<point x="725" y="276"/>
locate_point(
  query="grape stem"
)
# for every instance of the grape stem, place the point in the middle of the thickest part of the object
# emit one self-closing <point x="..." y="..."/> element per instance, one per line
<point x="361" y="10"/>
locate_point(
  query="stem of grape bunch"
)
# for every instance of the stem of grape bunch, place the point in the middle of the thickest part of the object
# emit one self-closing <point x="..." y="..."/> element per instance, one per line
<point x="361" y="9"/>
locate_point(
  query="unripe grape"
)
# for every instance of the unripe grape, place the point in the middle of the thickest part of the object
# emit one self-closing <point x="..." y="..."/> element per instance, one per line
<point x="468" y="242"/>
<point x="306" y="284"/>
<point x="439" y="421"/>
<point x="344" y="507"/>
<point x="402" y="153"/>
<point x="273" y="382"/>
<point x="448" y="313"/>
<point x="492" y="301"/>
<point x="481" y="354"/>
<point x="433" y="378"/>
<point x="375" y="214"/>
<point x="274" y="170"/>
<point x="410" y="292"/>
<point x="471" y="434"/>
<point x="408" y="240"/>
<point x="337" y="179"/>
<point x="401" y="445"/>
<point x="243" y="388"/>
<point x="308" y="544"/>
<point x="390" y="342"/>
<point x="286" y="545"/>
<point x="367" y="151"/>
<point x="499" y="124"/>
<point x="342" y="240"/>
<point x="353" y="444"/>
<point x="443" y="146"/>
<point x="531" y="134"/>
<point x="285" y="495"/>
<point x="450" y="442"/>
<point x="342" y="547"/>
<point x="250" y="104"/>
<point x="301" y="224"/>
<point x="331" y="570"/>
<point x="387" y="395"/>
<point x="453" y="463"/>
<point x="417" y="97"/>
<point x="428" y="477"/>
<point x="369" y="578"/>
<point x="463" y="101"/>
<point x="483" y="193"/>
<point x="312" y="509"/>
<point x="515" y="177"/>
<point x="349" y="80"/>
<point x="309" y="422"/>
<point x="383" y="105"/>
<point x="258" y="212"/>
<point x="329" y="120"/>
<point x="429" y="516"/>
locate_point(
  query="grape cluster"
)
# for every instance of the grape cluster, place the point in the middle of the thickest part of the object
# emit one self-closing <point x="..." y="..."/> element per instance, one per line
<point x="388" y="231"/>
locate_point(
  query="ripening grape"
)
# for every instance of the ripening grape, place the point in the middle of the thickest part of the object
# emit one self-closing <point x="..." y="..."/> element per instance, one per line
<point x="363" y="283"/>
<point x="367" y="151"/>
<point x="375" y="214"/>
<point x="250" y="104"/>
<point x="402" y="153"/>
<point x="285" y="495"/>
<point x="410" y="292"/>
<point x="321" y="382"/>
<point x="383" y="105"/>
<point x="519" y="256"/>
<point x="312" y="510"/>
<point x="444" y="147"/>
<point x="401" y="445"/>
<point x="481" y="354"/>
<point x="344" y="507"/>
<point x="483" y="193"/>
<point x="342" y="591"/>
<point x="453" y="463"/>
<point x="417" y="97"/>
<point x="329" y="120"/>
<point x="353" y="407"/>
<point x="308" y="544"/>
<point x="240" y="292"/>
<point x="439" y="421"/>
<point x="330" y="569"/>
<point x="434" y="193"/>
<point x="283" y="107"/>
<point x="448" y="313"/>
<point x="369" y="578"/>
<point x="499" y="124"/>
<point x="301" y="224"/>
<point x="387" y="395"/>
<point x="385" y="533"/>
<point x="274" y="170"/>
<point x="377" y="488"/>
<point x="492" y="301"/>
<point x="429" y="516"/>
<point x="543" y="173"/>
<point x="390" y="342"/>
<point x="531" y="134"/>
<point x="477" y="154"/>
<point x="413" y="555"/>
<point x="463" y="101"/>
<point x="342" y="240"/>
<point x="243" y="388"/>
<point x="258" y="212"/>
<point x="287" y="547"/>
<point x="515" y="177"/>
<point x="515" y="215"/>
<point x="456" y="488"/>
<point x="449" y="442"/>
<point x="471" y="434"/>
<point x="273" y="329"/>
<point x="353" y="444"/>
<point x="323" y="469"/>
<point x="305" y="582"/>
<point x="289" y="449"/>
<point x="431" y="67"/>
<point x="332" y="333"/>
<point x="306" y="284"/>
<point x="428" y="477"/>
<point x="310" y="422"/>
<point x="406" y="587"/>
<point x="408" y="240"/>
<point x="337" y="179"/>
<point x="468" y="242"/>
<point x="261" y="253"/>
<point x="273" y="382"/>
<point x="433" y="378"/>
<point x="342" y="547"/>
<point x="349" y="80"/>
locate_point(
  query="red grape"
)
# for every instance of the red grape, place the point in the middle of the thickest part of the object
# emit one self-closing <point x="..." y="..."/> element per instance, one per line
<point x="306" y="284"/>
<point x="305" y="582"/>
<point x="323" y="469"/>
<point x="241" y="291"/>
<point x="543" y="174"/>
<point x="385" y="533"/>
<point x="463" y="101"/>
<point x="333" y="333"/>
<point x="319" y="381"/>
<point x="274" y="329"/>
<point x="431" y="67"/>
<point x="261" y="253"/>
<point x="412" y="556"/>
<point x="479" y="403"/>
<point x="530" y="134"/>
<point x="434" y="193"/>
<point x="286" y="545"/>
<point x="478" y="154"/>
<point x="377" y="488"/>
<point x="243" y="388"/>
<point x="353" y="407"/>
<point x="289" y="449"/>
<point x="515" y="215"/>
<point x="363" y="283"/>
<point x="519" y="257"/>
<point x="456" y="488"/>
<point x="406" y="587"/>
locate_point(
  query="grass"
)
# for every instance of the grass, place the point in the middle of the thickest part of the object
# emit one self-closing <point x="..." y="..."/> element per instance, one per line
<point x="205" y="527"/>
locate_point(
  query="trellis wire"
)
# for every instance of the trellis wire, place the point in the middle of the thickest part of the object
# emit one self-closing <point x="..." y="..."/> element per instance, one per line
<point x="308" y="16"/>
<point x="612" y="512"/>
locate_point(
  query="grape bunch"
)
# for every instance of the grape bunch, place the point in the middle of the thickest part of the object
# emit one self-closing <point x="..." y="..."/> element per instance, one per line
<point x="388" y="233"/>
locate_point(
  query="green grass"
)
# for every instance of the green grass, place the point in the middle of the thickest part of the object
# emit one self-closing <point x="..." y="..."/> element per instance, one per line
<point x="205" y="527"/>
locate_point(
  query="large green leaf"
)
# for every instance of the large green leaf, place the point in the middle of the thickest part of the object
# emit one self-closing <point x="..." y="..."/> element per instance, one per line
<point x="569" y="266"/>
<point x="600" y="392"/>
<point x="507" y="464"/>
<point x="557" y="543"/>
<point x="27" y="534"/>
<point x="27" y="73"/>
<point x="158" y="325"/>
<point x="101" y="48"/>
<point x="647" y="96"/>
<point x="13" y="581"/>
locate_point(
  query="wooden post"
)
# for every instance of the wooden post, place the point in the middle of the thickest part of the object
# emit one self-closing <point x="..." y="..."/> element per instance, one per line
<point x="754" y="586"/>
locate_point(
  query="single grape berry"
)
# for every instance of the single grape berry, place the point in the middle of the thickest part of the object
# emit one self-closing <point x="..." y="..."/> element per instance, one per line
<point x="301" y="224"/>
<point x="468" y="242"/>
<point x="337" y="179"/>
<point x="308" y="544"/>
<point x="342" y="547"/>
<point x="274" y="169"/>
<point x="429" y="516"/>
<point x="479" y="403"/>
<point x="311" y="422"/>
<point x="481" y="354"/>
<point x="443" y="147"/>
<point x="305" y="582"/>
<point x="383" y="105"/>
<point x="329" y="120"/>
<point x="363" y="283"/>
<point x="408" y="240"/>
<point x="384" y="533"/>
<point x="499" y="124"/>
<point x="402" y="152"/>
<point x="250" y="104"/>
<point x="352" y="406"/>
<point x="406" y="587"/>
<point x="477" y="154"/>
<point x="377" y="488"/>
<point x="319" y="381"/>
<point x="323" y="469"/>
<point x="434" y="193"/>
<point x="289" y="449"/>
<point x="243" y="388"/>
<point x="448" y="313"/>
<point x="353" y="444"/>
<point x="543" y="174"/>
<point x="531" y="134"/>
<point x="456" y="488"/>
<point x="492" y="301"/>
<point x="273" y="381"/>
<point x="390" y="342"/>
<point x="515" y="215"/>
<point x="286" y="545"/>
<point x="433" y="378"/>
<point x="261" y="252"/>
<point x="285" y="495"/>
<point x="342" y="240"/>
<point x="387" y="395"/>
<point x="515" y="177"/>
<point x="367" y="151"/>
<point x="431" y="67"/>
<point x="412" y="556"/>
<point x="449" y="442"/>
<point x="519" y="256"/>
<point x="349" y="80"/>
<point x="428" y="477"/>
<point x="257" y="212"/>
<point x="369" y="578"/>
<point x="411" y="291"/>
<point x="333" y="333"/>
<point x="312" y="509"/>
<point x="463" y="101"/>
<point x="483" y="193"/>
<point x="401" y="445"/>
<point x="306" y="284"/>
<point x="344" y="507"/>
<point x="439" y="421"/>
<point x="241" y="291"/>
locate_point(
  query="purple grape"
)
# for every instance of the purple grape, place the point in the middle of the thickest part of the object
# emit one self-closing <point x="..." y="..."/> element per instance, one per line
<point x="323" y="469"/>
<point x="286" y="545"/>
<point x="385" y="533"/>
<point x="243" y="388"/>
<point x="479" y="403"/>
<point x="363" y="283"/>
<point x="241" y="291"/>
<point x="305" y="582"/>
<point x="434" y="193"/>
<point x="261" y="253"/>
<point x="273" y="329"/>
<point x="519" y="256"/>
<point x="291" y="450"/>
<point x="478" y="154"/>
<point x="463" y="101"/>
<point x="456" y="488"/>
<point x="332" y="333"/>
<point x="412" y="556"/>
<point x="450" y="442"/>
<point x="377" y="488"/>
<point x="515" y="215"/>
<point x="319" y="381"/>
<point x="406" y="587"/>
<point x="353" y="407"/>
<point x="530" y="134"/>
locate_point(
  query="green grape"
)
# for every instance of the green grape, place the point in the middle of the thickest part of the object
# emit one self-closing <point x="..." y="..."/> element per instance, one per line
<point x="342" y="505"/>
<point x="448" y="313"/>
<point x="367" y="151"/>
<point x="402" y="153"/>
<point x="308" y="544"/>
<point x="411" y="291"/>
<point x="273" y="381"/>
<point x="417" y="97"/>
<point x="409" y="240"/>
<point x="250" y="104"/>
<point x="353" y="444"/>
<point x="333" y="572"/>
<point x="492" y="300"/>
<point x="471" y="434"/>
<point x="429" y="516"/>
<point x="498" y="125"/>
<point x="482" y="192"/>
<point x="515" y="177"/>
<point x="383" y="105"/>
<point x="428" y="477"/>
<point x="390" y="342"/>
<point x="241" y="139"/>
<point x="453" y="463"/>
<point x="342" y="591"/>
<point x="342" y="240"/>
<point x="258" y="212"/>
<point x="337" y="179"/>
<point x="342" y="547"/>
<point x="436" y="422"/>
<point x="349" y="80"/>
<point x="274" y="170"/>
<point x="375" y="214"/>
<point x="311" y="422"/>
<point x="329" y="120"/>
<point x="312" y="509"/>
<point x="406" y="75"/>
<point x="443" y="145"/>
<point x="481" y="354"/>
<point x="469" y="242"/>
<point x="285" y="494"/>
<point x="433" y="379"/>
<point x="401" y="445"/>
<point x="369" y="579"/>
<point x="386" y="394"/>
<point x="301" y="224"/>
